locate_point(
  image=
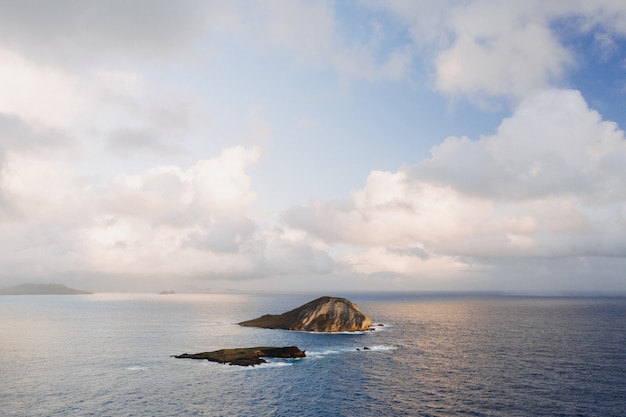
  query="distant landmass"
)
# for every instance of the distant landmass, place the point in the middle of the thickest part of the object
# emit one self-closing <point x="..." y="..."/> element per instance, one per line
<point x="165" y="292"/>
<point x="41" y="289"/>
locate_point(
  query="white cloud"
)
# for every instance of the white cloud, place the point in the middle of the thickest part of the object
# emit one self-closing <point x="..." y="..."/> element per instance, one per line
<point x="548" y="184"/>
<point x="292" y="252"/>
<point x="53" y="98"/>
<point x="175" y="216"/>
<point x="38" y="93"/>
<point x="404" y="262"/>
<point x="166" y="221"/>
<point x="498" y="49"/>
<point x="163" y="224"/>
<point x="485" y="62"/>
<point x="552" y="145"/>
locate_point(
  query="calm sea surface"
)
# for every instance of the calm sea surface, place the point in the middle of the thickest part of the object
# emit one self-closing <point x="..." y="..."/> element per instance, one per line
<point x="109" y="355"/>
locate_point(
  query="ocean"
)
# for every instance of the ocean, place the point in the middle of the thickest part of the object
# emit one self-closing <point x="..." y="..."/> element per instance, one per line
<point x="436" y="355"/>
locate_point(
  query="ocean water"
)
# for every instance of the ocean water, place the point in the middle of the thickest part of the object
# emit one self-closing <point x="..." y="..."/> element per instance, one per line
<point x="110" y="355"/>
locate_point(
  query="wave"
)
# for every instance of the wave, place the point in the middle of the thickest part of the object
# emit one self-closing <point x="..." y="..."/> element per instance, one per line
<point x="373" y="329"/>
<point x="277" y="364"/>
<point x="136" y="368"/>
<point x="315" y="355"/>
<point x="271" y="363"/>
<point x="345" y="349"/>
<point x="382" y="348"/>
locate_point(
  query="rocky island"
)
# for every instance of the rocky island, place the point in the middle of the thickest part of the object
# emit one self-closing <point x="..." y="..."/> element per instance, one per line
<point x="325" y="314"/>
<point x="246" y="356"/>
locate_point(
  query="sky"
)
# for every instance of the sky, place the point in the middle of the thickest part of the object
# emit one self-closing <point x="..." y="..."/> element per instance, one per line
<point x="398" y="145"/>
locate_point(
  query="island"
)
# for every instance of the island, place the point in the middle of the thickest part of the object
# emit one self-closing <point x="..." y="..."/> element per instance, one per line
<point x="41" y="289"/>
<point x="246" y="356"/>
<point x="325" y="314"/>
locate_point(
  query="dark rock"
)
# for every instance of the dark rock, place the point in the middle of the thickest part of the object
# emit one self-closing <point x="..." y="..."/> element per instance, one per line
<point x="246" y="356"/>
<point x="325" y="314"/>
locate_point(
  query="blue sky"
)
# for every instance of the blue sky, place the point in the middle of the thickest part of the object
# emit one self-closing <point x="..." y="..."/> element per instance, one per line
<point x="314" y="145"/>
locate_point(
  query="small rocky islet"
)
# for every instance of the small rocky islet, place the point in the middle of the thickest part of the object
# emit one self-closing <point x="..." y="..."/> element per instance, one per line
<point x="324" y="314"/>
<point x="247" y="356"/>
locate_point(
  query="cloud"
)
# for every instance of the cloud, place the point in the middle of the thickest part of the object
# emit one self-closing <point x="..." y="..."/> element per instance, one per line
<point x="122" y="111"/>
<point x="15" y="133"/>
<point x="164" y="223"/>
<point x="315" y="35"/>
<point x="170" y="214"/>
<point x="500" y="50"/>
<point x="82" y="34"/>
<point x="485" y="50"/>
<point x="553" y="145"/>
<point x="24" y="142"/>
<point x="128" y="141"/>
<point x="72" y="32"/>
<point x="81" y="67"/>
<point x="478" y="49"/>
<point x="38" y="93"/>
<point x="548" y="184"/>
<point x="195" y="223"/>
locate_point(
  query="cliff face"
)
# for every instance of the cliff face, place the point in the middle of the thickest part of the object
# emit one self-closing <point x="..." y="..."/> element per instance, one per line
<point x="325" y="314"/>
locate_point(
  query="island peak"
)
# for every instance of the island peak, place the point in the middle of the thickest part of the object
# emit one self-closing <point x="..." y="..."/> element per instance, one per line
<point x="324" y="314"/>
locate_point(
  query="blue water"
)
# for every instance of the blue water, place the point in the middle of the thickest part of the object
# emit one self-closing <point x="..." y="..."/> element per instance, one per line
<point x="109" y="355"/>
